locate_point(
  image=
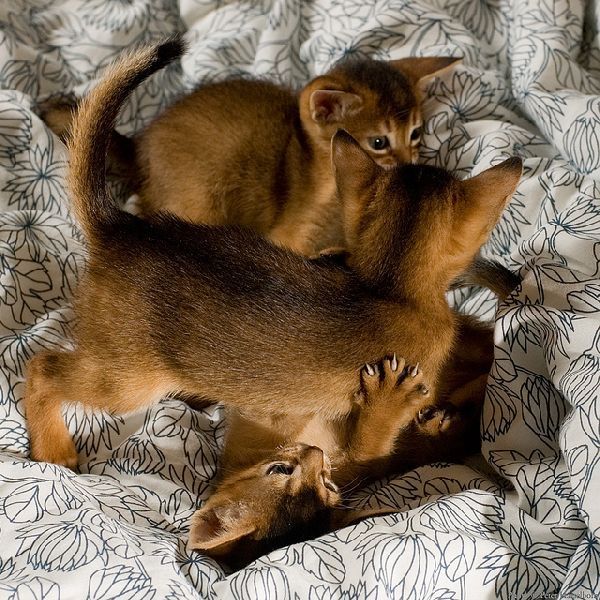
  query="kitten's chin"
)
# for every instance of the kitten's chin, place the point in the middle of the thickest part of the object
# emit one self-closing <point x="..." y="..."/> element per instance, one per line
<point x="390" y="162"/>
<point x="333" y="497"/>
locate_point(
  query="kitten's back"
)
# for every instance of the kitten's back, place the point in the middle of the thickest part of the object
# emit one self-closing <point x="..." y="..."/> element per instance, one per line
<point x="262" y="325"/>
<point x="219" y="154"/>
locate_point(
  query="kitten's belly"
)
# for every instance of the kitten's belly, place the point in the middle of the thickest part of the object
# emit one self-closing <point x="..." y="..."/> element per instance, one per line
<point x="285" y="393"/>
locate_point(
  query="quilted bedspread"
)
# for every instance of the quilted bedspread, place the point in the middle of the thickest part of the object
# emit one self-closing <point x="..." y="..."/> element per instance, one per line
<point x="524" y="522"/>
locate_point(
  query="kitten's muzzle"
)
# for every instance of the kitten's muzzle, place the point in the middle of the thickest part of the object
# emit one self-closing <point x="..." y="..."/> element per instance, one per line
<point x="313" y="460"/>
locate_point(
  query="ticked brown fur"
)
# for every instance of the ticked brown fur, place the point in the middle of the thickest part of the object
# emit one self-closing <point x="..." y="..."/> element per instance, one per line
<point x="220" y="312"/>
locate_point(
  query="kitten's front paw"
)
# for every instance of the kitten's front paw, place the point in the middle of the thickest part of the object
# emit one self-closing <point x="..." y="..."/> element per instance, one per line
<point x="392" y="380"/>
<point x="444" y="418"/>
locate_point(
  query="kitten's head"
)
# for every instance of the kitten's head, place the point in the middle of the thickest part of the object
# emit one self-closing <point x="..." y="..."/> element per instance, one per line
<point x="414" y="228"/>
<point x="377" y="102"/>
<point x="281" y="500"/>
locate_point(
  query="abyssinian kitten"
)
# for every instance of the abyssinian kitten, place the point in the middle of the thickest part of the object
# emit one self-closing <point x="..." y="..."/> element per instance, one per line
<point x="249" y="152"/>
<point x="218" y="312"/>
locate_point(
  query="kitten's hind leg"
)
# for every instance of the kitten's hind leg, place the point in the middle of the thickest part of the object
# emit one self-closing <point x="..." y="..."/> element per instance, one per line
<point x="54" y="378"/>
<point x="46" y="387"/>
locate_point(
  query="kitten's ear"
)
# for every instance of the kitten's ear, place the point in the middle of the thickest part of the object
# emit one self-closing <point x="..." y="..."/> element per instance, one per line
<point x="495" y="186"/>
<point x="355" y="173"/>
<point x="333" y="106"/>
<point x="485" y="196"/>
<point x="353" y="168"/>
<point x="421" y="70"/>
<point x="216" y="534"/>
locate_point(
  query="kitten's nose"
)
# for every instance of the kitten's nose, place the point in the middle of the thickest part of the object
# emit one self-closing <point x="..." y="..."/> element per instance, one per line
<point x="312" y="456"/>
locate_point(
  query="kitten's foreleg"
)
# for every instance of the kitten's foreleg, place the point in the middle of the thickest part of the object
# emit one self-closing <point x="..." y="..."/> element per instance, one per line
<point x="392" y="393"/>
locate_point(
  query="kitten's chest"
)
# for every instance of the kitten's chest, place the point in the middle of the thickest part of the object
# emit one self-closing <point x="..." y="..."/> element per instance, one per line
<point x="322" y="433"/>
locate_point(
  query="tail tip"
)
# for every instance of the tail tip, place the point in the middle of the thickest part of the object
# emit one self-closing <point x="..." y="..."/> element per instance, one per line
<point x="171" y="49"/>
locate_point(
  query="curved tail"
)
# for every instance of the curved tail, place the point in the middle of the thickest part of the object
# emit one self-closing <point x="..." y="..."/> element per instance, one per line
<point x="93" y="126"/>
<point x="489" y="274"/>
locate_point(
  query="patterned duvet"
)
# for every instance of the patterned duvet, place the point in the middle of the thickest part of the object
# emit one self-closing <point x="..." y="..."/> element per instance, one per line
<point x="526" y="525"/>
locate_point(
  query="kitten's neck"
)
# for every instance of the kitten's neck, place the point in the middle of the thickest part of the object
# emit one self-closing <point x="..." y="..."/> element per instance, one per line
<point x="425" y="290"/>
<point x="305" y="224"/>
<point x="411" y="282"/>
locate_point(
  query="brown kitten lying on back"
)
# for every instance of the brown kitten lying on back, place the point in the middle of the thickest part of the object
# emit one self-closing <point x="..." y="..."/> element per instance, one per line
<point x="252" y="153"/>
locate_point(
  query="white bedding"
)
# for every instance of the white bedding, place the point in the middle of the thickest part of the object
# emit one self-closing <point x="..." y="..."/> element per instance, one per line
<point x="530" y="86"/>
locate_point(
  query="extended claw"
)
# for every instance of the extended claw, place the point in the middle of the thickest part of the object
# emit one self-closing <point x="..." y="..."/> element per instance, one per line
<point x="370" y="369"/>
<point x="415" y="370"/>
<point x="394" y="363"/>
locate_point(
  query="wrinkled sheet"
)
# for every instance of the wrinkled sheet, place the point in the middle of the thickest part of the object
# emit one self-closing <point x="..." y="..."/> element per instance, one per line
<point x="529" y="85"/>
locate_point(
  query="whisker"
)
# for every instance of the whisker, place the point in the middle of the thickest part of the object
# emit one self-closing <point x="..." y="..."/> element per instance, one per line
<point x="402" y="114"/>
<point x="344" y="506"/>
<point x="351" y="486"/>
<point x="352" y="481"/>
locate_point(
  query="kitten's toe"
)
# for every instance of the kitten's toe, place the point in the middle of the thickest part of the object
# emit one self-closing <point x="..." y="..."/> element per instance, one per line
<point x="133" y="205"/>
<point x="412" y="380"/>
<point x="369" y="378"/>
<point x="439" y="419"/>
<point x="393" y="368"/>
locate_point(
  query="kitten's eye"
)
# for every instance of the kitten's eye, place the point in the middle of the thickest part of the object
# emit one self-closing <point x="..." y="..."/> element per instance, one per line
<point x="280" y="469"/>
<point x="379" y="143"/>
<point x="426" y="414"/>
<point x="415" y="134"/>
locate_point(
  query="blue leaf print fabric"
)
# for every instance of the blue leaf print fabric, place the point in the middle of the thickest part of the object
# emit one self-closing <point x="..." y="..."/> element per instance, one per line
<point x="522" y="520"/>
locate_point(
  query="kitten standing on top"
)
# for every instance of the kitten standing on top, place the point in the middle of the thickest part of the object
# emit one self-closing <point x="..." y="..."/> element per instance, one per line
<point x="249" y="152"/>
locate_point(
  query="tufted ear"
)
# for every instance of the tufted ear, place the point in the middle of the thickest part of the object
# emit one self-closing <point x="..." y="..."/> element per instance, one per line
<point x="484" y="197"/>
<point x="421" y="70"/>
<point x="217" y="531"/>
<point x="333" y="106"/>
